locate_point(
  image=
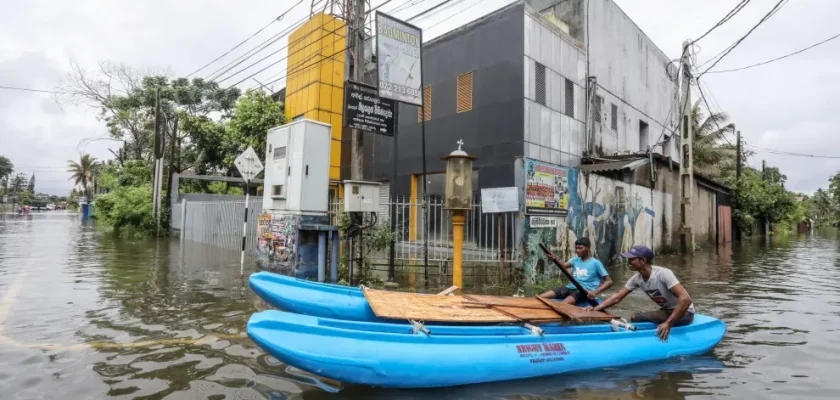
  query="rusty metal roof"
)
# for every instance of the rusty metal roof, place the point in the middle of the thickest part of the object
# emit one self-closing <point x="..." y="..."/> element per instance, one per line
<point x="615" y="165"/>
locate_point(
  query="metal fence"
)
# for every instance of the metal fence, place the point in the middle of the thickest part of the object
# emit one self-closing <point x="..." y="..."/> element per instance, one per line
<point x="488" y="238"/>
<point x="219" y="223"/>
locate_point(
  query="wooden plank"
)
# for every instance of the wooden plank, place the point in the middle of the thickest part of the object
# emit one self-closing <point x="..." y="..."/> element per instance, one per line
<point x="576" y="313"/>
<point x="427" y="307"/>
<point x="448" y="291"/>
<point x="524" y="302"/>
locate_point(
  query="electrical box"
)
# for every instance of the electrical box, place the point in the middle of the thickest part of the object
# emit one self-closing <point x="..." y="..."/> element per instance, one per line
<point x="361" y="196"/>
<point x="297" y="168"/>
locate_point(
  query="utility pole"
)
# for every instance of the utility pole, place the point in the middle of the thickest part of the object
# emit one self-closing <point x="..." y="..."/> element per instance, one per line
<point x="172" y="137"/>
<point x="157" y="148"/>
<point x="357" y="39"/>
<point x="738" y="159"/>
<point x="687" y="160"/>
<point x="763" y="170"/>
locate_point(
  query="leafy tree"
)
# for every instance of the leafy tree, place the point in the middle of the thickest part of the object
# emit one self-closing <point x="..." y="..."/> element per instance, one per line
<point x="82" y="173"/>
<point x="6" y="170"/>
<point x="256" y="113"/>
<point x="31" y="186"/>
<point x="128" y="211"/>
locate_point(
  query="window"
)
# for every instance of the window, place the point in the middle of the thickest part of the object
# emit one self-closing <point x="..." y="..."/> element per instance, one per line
<point x="614" y="117"/>
<point x="427" y="102"/>
<point x="539" y="86"/>
<point x="597" y="114"/>
<point x="570" y="98"/>
<point x="277" y="191"/>
<point x="279" y="153"/>
<point x="464" y="96"/>
<point x="643" y="136"/>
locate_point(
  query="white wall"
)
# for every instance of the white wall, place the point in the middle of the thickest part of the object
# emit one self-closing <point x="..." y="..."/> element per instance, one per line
<point x="630" y="66"/>
<point x="550" y="134"/>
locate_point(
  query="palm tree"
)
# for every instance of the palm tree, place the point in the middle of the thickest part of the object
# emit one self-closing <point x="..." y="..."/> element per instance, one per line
<point x="82" y="172"/>
<point x="711" y="151"/>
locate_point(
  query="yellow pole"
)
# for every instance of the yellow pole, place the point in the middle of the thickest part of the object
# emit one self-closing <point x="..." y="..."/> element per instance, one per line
<point x="458" y="248"/>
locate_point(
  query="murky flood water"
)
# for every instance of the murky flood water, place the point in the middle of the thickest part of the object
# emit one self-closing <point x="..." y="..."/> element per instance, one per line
<point x="83" y="315"/>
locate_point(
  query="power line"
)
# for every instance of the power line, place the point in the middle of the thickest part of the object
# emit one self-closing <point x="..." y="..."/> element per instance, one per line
<point x="728" y="50"/>
<point x="432" y="9"/>
<point x="789" y="153"/>
<point x="777" y="58"/>
<point x="740" y="6"/>
<point x="26" y="89"/>
<point x="278" y="18"/>
<point x="254" y="50"/>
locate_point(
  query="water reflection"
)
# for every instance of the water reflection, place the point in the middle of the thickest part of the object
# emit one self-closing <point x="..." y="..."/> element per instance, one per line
<point x="94" y="317"/>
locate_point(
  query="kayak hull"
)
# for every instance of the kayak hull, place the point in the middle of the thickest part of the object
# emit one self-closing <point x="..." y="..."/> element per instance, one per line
<point x="392" y="355"/>
<point x="305" y="297"/>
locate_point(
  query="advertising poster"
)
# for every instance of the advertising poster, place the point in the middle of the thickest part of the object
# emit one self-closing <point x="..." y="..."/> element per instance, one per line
<point x="398" y="59"/>
<point x="546" y="188"/>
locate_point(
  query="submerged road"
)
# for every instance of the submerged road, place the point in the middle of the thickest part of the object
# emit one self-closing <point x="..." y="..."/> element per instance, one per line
<point x="85" y="316"/>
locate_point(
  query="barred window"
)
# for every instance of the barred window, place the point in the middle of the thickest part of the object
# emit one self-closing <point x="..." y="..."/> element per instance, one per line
<point x="570" y="98"/>
<point x="597" y="114"/>
<point x="539" y="85"/>
<point x="464" y="96"/>
<point x="427" y="104"/>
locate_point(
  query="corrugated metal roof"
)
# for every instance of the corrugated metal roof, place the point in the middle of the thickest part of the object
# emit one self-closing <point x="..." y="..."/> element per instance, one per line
<point x="615" y="165"/>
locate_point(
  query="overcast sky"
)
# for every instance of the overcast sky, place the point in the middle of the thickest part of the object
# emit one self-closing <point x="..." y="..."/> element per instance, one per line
<point x="786" y="105"/>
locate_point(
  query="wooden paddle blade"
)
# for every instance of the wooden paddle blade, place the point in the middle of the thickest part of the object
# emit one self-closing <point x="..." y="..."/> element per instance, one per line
<point x="576" y="313"/>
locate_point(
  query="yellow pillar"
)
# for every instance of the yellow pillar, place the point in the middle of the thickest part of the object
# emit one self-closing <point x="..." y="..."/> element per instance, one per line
<point x="458" y="248"/>
<point x="412" y="229"/>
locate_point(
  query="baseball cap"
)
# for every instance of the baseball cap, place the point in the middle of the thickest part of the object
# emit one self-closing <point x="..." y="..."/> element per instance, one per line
<point x="641" y="251"/>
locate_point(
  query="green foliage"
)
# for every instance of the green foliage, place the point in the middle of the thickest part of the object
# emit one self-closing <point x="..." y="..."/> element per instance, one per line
<point x="374" y="238"/>
<point x="128" y="211"/>
<point x="765" y="200"/>
<point x="255" y="113"/>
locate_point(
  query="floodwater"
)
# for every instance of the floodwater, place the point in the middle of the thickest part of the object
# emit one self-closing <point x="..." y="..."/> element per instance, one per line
<point x="87" y="316"/>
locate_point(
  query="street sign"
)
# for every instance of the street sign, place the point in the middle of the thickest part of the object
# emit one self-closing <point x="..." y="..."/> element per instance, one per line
<point x="248" y="164"/>
<point x="499" y="200"/>
<point x="368" y="112"/>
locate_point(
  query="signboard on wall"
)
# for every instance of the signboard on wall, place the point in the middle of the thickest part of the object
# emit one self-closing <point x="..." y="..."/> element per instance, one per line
<point x="368" y="112"/>
<point x="546" y="188"/>
<point x="499" y="200"/>
<point x="538" y="221"/>
<point x="398" y="59"/>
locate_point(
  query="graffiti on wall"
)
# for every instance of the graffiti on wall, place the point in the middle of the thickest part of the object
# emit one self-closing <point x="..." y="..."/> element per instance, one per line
<point x="614" y="215"/>
<point x="546" y="188"/>
<point x="276" y="239"/>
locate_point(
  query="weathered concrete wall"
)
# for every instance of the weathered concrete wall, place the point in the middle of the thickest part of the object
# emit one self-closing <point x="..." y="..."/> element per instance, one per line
<point x="613" y="215"/>
<point x="705" y="215"/>
<point x="630" y="72"/>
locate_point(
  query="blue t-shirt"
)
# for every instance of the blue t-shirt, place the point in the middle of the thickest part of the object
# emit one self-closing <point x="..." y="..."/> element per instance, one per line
<point x="588" y="273"/>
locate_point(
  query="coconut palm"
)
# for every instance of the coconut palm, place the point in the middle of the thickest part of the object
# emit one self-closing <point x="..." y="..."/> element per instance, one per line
<point x="711" y="149"/>
<point x="82" y="172"/>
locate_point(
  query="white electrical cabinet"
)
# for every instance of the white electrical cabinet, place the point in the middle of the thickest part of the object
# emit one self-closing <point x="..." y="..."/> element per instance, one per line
<point x="361" y="196"/>
<point x="297" y="168"/>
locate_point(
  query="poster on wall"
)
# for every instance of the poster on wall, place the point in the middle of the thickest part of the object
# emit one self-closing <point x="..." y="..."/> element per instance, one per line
<point x="546" y="188"/>
<point x="398" y="59"/>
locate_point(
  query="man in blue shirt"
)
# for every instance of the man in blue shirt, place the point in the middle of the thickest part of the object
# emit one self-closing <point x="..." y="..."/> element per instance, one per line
<point x="588" y="271"/>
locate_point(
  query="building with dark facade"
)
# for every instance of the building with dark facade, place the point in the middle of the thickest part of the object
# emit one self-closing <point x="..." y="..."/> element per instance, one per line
<point x="576" y="123"/>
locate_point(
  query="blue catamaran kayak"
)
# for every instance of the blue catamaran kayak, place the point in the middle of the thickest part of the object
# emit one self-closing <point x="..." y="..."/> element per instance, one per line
<point x="394" y="355"/>
<point x="313" y="298"/>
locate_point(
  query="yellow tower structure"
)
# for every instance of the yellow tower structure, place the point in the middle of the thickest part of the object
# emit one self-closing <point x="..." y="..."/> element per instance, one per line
<point x="315" y="78"/>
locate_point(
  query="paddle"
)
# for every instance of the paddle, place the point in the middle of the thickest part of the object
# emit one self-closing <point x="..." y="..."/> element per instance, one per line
<point x="568" y="275"/>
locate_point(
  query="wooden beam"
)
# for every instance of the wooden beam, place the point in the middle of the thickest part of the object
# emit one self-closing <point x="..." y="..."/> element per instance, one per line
<point x="450" y="290"/>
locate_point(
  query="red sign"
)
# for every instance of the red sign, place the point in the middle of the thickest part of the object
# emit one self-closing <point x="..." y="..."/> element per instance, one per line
<point x="542" y="352"/>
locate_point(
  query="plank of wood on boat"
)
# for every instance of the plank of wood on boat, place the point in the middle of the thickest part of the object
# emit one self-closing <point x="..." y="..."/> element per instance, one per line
<point x="577" y="313"/>
<point x="427" y="307"/>
<point x="523" y="302"/>
<point x="448" y="291"/>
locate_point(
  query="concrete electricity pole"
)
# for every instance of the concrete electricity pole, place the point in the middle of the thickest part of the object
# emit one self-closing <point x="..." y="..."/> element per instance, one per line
<point x="687" y="160"/>
<point x="738" y="158"/>
<point x="356" y="30"/>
